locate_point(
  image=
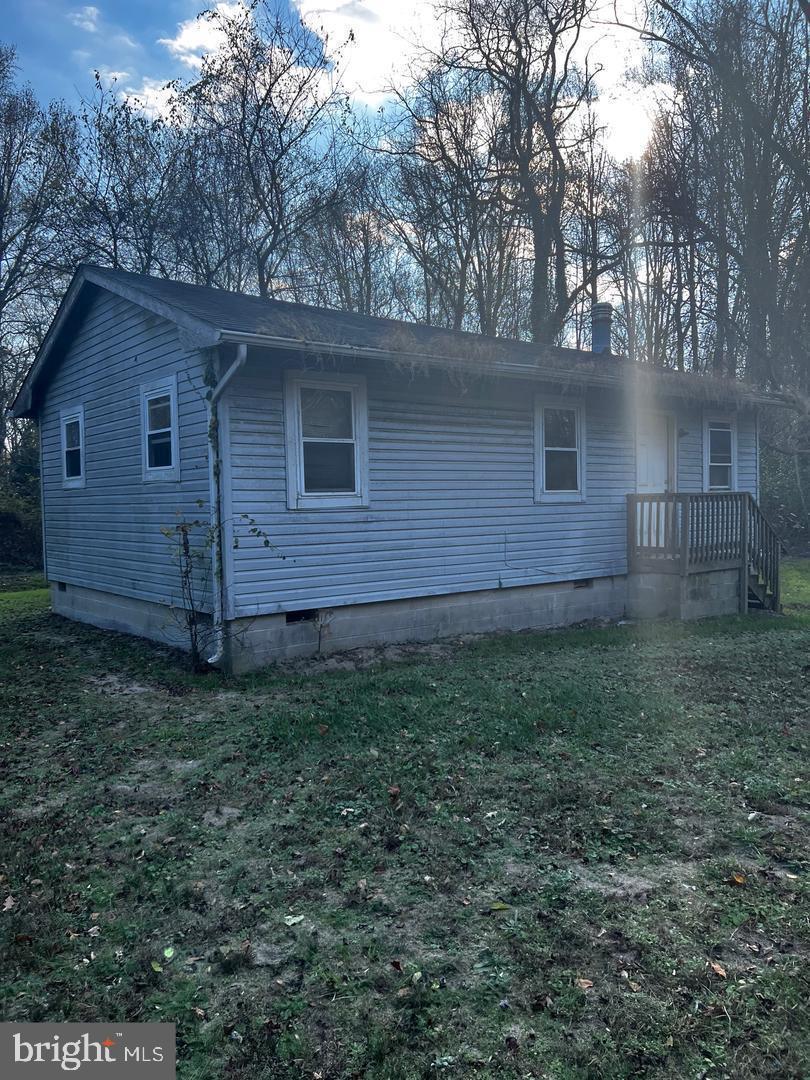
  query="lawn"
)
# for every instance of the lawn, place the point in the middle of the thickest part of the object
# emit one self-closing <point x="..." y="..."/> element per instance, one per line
<point x="580" y="854"/>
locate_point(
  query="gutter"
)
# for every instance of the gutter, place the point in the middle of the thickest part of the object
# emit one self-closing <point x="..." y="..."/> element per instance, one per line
<point x="215" y="499"/>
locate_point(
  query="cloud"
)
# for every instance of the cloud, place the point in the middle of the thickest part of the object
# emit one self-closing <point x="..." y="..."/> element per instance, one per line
<point x="111" y="75"/>
<point x="86" y="18"/>
<point x="386" y="37"/>
<point x="154" y="97"/>
<point x="196" y="38"/>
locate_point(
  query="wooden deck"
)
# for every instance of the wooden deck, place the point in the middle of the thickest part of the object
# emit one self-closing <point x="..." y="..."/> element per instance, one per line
<point x="691" y="533"/>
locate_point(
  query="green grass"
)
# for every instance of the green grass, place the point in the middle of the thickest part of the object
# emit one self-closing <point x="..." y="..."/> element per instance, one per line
<point x="796" y="584"/>
<point x="580" y="854"/>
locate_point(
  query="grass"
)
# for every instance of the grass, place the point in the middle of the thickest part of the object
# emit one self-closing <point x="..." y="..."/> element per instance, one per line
<point x="581" y="854"/>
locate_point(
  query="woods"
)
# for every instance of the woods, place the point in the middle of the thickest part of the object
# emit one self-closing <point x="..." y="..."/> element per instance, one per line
<point x="483" y="196"/>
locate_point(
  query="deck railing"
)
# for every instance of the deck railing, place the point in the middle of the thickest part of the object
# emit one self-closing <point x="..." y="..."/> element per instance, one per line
<point x="689" y="532"/>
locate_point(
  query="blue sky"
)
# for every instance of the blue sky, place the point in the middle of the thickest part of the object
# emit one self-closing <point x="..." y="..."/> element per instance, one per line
<point x="59" y="44"/>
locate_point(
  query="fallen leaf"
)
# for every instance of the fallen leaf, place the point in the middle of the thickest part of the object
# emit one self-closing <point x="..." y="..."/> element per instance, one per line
<point x="584" y="984"/>
<point x="394" y="791"/>
<point x="168" y="952"/>
<point x="737" y="878"/>
<point x="499" y="905"/>
<point x="396" y="965"/>
<point x="634" y="986"/>
<point x="292" y="920"/>
<point x="718" y="969"/>
<point x="322" y="729"/>
<point x="156" y="966"/>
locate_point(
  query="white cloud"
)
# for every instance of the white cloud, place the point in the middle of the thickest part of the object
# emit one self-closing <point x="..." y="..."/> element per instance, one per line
<point x="386" y="38"/>
<point x="86" y="18"/>
<point x="111" y="75"/>
<point x="198" y="37"/>
<point x="154" y="97"/>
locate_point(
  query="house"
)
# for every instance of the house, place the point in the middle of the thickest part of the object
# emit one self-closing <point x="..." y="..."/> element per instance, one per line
<point x="366" y="480"/>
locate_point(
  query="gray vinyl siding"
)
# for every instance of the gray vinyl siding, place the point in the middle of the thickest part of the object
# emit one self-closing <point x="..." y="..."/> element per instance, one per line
<point x="747" y="451"/>
<point x="451" y="479"/>
<point x="689" y="438"/>
<point x="107" y="534"/>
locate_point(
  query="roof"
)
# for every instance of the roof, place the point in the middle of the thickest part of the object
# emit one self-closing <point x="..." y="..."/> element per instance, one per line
<point x="209" y="316"/>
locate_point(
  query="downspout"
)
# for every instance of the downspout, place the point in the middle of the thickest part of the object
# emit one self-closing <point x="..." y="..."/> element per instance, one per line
<point x="215" y="487"/>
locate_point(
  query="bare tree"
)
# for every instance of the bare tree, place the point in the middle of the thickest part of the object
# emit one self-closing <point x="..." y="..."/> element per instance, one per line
<point x="265" y="101"/>
<point x="37" y="153"/>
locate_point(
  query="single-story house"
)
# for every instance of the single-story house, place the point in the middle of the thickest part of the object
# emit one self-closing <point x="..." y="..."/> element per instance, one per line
<point x="364" y="480"/>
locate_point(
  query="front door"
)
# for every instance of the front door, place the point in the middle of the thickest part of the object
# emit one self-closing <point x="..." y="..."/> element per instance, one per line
<point x="655" y="472"/>
<point x="655" y="475"/>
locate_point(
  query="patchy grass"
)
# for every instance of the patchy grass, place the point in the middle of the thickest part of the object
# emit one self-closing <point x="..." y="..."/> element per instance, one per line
<point x="796" y="584"/>
<point x="581" y="854"/>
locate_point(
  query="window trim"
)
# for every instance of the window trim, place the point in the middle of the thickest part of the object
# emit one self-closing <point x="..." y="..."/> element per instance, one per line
<point x="160" y="388"/>
<point x="708" y="421"/>
<point x="577" y="406"/>
<point x="67" y="416"/>
<point x="294" y="382"/>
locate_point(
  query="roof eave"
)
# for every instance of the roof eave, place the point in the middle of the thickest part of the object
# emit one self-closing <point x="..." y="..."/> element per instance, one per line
<point x="618" y="379"/>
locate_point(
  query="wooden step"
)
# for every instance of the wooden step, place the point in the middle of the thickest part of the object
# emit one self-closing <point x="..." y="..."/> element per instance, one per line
<point x="757" y="593"/>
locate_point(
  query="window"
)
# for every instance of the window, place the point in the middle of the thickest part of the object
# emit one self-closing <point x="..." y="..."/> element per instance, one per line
<point x="720" y="454"/>
<point x="159" y="420"/>
<point x="558" y="452"/>
<point x="73" y="447"/>
<point x="326" y="441"/>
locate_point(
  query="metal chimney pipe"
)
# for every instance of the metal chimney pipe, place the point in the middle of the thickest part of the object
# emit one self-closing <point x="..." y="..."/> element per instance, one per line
<point x="601" y="327"/>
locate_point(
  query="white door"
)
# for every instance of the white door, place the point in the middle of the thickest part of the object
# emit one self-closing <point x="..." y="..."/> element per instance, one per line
<point x="654" y="471"/>
<point x="655" y="475"/>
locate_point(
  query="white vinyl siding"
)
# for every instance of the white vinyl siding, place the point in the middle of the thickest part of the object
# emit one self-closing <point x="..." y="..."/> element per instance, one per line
<point x="109" y="534"/>
<point x="452" y="503"/>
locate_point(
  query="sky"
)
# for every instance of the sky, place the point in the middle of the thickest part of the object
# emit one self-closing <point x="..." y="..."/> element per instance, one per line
<point x="146" y="43"/>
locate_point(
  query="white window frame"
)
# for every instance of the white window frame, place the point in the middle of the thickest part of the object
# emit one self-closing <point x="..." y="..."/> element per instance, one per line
<point x="162" y="388"/>
<point x="297" y="499"/>
<point x="67" y="416"/>
<point x="708" y="421"/>
<point x="577" y="406"/>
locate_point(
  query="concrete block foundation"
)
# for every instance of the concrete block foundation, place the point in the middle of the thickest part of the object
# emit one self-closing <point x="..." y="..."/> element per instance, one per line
<point x="696" y="596"/>
<point x="254" y="642"/>
<point x="157" y="622"/>
<point x="260" y="640"/>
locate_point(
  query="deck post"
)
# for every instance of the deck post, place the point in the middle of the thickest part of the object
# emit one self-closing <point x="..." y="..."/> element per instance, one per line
<point x="631" y="533"/>
<point x="744" y="561"/>
<point x="685" y="530"/>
